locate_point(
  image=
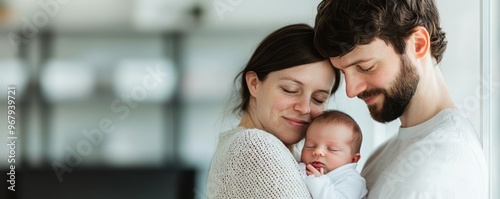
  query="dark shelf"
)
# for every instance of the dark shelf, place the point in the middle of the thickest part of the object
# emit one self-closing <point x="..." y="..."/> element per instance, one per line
<point x="103" y="183"/>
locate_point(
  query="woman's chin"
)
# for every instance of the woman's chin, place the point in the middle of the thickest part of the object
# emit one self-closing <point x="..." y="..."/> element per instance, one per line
<point x="291" y="141"/>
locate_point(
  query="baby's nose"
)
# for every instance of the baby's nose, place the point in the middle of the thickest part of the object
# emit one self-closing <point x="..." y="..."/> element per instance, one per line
<point x="318" y="152"/>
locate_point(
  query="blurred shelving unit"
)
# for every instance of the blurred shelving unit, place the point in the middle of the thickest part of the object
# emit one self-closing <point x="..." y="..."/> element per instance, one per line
<point x="164" y="144"/>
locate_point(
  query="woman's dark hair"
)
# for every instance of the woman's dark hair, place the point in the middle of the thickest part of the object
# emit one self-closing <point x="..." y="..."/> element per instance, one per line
<point x="286" y="47"/>
<point x="341" y="25"/>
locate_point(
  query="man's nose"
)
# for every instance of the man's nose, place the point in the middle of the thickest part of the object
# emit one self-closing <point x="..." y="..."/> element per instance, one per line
<point x="354" y="85"/>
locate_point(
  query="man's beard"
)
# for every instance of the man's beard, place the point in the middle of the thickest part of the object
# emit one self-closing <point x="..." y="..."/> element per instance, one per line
<point x="397" y="97"/>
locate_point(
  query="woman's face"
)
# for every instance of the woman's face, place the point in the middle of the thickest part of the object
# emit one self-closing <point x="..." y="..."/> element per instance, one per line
<point x="285" y="102"/>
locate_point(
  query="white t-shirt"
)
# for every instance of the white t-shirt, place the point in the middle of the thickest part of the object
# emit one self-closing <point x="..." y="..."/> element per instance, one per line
<point x="440" y="158"/>
<point x="344" y="182"/>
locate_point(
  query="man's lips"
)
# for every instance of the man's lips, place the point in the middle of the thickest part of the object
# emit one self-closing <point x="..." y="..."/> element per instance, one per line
<point x="370" y="96"/>
<point x="370" y="100"/>
<point x="296" y="122"/>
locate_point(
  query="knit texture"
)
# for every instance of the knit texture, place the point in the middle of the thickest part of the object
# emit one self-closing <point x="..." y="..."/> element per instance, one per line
<point x="250" y="163"/>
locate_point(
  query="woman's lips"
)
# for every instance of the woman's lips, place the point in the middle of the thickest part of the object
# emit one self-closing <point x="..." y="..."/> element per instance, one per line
<point x="296" y="122"/>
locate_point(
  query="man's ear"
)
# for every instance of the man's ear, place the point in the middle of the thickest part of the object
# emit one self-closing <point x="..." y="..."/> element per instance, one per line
<point x="252" y="82"/>
<point x="421" y="42"/>
<point x="356" y="158"/>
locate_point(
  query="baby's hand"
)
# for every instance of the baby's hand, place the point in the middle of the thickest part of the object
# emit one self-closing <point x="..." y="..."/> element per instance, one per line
<point x="313" y="171"/>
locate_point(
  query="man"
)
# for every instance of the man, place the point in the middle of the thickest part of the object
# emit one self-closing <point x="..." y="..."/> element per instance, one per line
<point x="389" y="51"/>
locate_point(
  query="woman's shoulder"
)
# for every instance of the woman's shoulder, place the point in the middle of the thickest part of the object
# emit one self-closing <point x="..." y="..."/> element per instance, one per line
<point x="245" y="141"/>
<point x="243" y="168"/>
<point x="256" y="137"/>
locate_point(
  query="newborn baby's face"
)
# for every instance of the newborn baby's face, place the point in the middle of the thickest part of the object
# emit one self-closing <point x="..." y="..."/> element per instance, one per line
<point x="327" y="146"/>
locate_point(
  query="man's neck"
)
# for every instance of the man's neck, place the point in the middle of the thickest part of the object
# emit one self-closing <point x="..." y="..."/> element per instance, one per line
<point x="430" y="98"/>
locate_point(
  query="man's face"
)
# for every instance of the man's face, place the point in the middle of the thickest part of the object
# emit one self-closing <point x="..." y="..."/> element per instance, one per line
<point x="397" y="96"/>
<point x="385" y="80"/>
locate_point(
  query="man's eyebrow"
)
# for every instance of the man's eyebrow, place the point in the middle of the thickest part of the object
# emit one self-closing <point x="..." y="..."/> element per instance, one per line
<point x="358" y="62"/>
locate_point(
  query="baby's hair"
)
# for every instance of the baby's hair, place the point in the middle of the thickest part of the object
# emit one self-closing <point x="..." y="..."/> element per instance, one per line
<point x="339" y="117"/>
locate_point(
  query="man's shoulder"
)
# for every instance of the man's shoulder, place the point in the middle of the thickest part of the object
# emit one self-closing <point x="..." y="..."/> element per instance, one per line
<point x="454" y="120"/>
<point x="449" y="127"/>
<point x="447" y="161"/>
<point x="455" y="129"/>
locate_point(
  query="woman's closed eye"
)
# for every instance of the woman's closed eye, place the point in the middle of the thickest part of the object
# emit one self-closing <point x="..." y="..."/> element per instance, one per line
<point x="319" y="100"/>
<point x="289" y="90"/>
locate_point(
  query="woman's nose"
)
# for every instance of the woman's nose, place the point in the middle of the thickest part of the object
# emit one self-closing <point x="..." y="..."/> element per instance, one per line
<point x="303" y="106"/>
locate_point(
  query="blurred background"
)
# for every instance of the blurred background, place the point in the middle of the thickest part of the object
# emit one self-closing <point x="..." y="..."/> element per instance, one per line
<point x="125" y="98"/>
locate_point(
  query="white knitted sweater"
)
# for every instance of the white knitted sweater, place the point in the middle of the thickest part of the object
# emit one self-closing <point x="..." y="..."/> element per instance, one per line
<point x="251" y="163"/>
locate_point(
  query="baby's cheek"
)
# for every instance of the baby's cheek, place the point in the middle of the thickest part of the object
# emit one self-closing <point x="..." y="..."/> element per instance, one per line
<point x="303" y="157"/>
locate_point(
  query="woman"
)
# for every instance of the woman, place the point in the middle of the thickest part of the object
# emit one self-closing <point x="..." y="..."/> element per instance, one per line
<point x="285" y="84"/>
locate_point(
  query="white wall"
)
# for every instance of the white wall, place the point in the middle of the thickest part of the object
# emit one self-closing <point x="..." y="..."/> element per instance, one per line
<point x="495" y="98"/>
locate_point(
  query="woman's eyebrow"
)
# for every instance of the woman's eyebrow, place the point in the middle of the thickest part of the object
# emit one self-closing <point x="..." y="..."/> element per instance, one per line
<point x="288" y="78"/>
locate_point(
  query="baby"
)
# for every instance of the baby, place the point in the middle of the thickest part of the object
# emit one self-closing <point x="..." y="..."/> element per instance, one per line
<point x="330" y="155"/>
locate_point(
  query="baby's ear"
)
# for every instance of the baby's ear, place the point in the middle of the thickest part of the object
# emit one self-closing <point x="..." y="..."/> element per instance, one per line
<point x="355" y="158"/>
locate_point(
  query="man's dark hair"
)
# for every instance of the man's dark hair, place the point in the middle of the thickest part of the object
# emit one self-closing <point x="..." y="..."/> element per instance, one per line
<point x="341" y="25"/>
